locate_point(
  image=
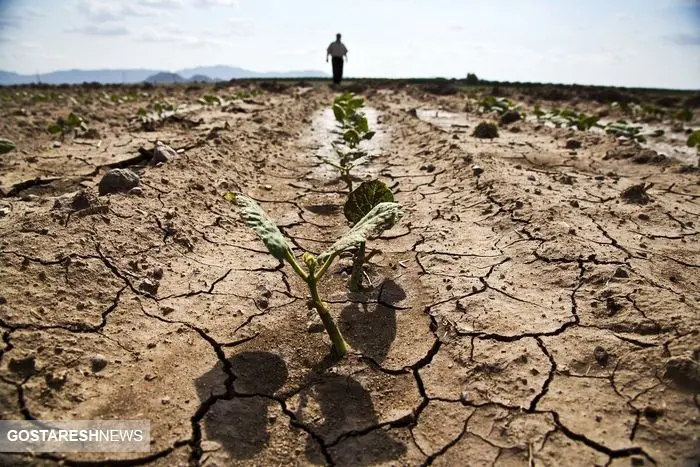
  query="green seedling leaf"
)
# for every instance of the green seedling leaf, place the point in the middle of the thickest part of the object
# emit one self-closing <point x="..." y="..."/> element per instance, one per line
<point x="55" y="129"/>
<point x="352" y="137"/>
<point x="382" y="217"/>
<point x="254" y="216"/>
<point x="339" y="113"/>
<point x="6" y="146"/>
<point x="694" y="139"/>
<point x="74" y="120"/>
<point x="365" y="197"/>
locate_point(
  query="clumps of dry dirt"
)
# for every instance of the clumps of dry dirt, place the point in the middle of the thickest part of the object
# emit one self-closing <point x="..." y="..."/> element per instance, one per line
<point x="637" y="194"/>
<point x="486" y="130"/>
<point x="118" y="181"/>
<point x="509" y="117"/>
<point x="636" y="154"/>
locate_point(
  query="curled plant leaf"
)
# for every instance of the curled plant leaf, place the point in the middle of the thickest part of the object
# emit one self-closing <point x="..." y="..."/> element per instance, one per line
<point x="365" y="197"/>
<point x="55" y="129"/>
<point x="6" y="146"/>
<point x="694" y="139"/>
<point x="339" y="113"/>
<point x="256" y="219"/>
<point x="382" y="217"/>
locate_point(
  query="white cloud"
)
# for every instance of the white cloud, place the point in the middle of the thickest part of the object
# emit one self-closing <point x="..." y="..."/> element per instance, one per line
<point x="183" y="38"/>
<point x="105" y="10"/>
<point x="212" y="3"/>
<point x="99" y="30"/>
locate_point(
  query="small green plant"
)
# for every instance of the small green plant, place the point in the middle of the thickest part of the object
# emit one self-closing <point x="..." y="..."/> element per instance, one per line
<point x="622" y="129"/>
<point x="6" y="146"/>
<point x="211" y="100"/>
<point x="500" y="105"/>
<point x="360" y="202"/>
<point x="160" y="111"/>
<point x="694" y="140"/>
<point x="380" y="218"/>
<point x="354" y="128"/>
<point x="72" y="124"/>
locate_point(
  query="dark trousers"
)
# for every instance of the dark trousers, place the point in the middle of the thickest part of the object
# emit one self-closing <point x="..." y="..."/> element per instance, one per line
<point x="337" y="69"/>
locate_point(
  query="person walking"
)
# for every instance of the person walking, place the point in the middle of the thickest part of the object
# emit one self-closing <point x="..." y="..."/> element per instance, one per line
<point x="337" y="52"/>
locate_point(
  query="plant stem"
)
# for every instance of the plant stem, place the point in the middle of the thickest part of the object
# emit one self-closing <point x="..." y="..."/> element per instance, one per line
<point x="339" y="345"/>
<point x="358" y="260"/>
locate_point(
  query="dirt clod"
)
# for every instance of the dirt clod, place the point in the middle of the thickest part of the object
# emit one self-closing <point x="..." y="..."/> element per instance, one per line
<point x="118" y="180"/>
<point x="163" y="153"/>
<point x="637" y="194"/>
<point x="24" y="367"/>
<point x="573" y="144"/>
<point x="601" y="355"/>
<point x="98" y="363"/>
<point x="510" y="116"/>
<point x="487" y="130"/>
<point x="684" y="372"/>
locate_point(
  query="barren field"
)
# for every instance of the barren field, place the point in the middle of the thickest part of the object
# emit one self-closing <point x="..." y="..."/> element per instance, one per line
<point x="538" y="304"/>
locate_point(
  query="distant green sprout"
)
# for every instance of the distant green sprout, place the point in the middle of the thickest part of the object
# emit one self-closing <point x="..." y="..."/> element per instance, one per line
<point x="694" y="140"/>
<point x="161" y="110"/>
<point x="245" y="94"/>
<point x="360" y="202"/>
<point x="355" y="129"/>
<point x="6" y="146"/>
<point x="380" y="218"/>
<point x="684" y="115"/>
<point x="622" y="129"/>
<point x="72" y="124"/>
<point x="500" y="105"/>
<point x="211" y="100"/>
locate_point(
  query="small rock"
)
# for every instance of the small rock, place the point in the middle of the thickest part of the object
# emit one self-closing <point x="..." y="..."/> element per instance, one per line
<point x="118" y="180"/>
<point x="165" y="180"/>
<point x="158" y="273"/>
<point x="637" y="194"/>
<point x="621" y="273"/>
<point x="487" y="130"/>
<point x="573" y="203"/>
<point x="3" y="300"/>
<point x="428" y="168"/>
<point x="477" y="170"/>
<point x="263" y="303"/>
<point x="267" y="187"/>
<point x="601" y="356"/>
<point x="573" y="144"/>
<point x="165" y="400"/>
<point x="509" y="117"/>
<point x="136" y="191"/>
<point x="57" y="144"/>
<point x="163" y="153"/>
<point x="98" y="363"/>
<point x="166" y="310"/>
<point x="149" y="377"/>
<point x="149" y="286"/>
<point x="55" y="380"/>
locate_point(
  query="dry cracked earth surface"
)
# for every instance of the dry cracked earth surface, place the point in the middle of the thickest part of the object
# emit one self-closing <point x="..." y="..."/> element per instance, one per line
<point x="530" y="312"/>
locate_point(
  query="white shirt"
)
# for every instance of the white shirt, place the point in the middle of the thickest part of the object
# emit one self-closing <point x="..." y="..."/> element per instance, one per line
<point x="337" y="49"/>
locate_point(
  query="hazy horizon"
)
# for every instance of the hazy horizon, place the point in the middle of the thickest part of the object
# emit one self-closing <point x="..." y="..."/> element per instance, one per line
<point x="646" y="43"/>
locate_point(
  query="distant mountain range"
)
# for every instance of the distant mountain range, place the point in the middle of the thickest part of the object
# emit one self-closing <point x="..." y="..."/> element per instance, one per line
<point x="138" y="75"/>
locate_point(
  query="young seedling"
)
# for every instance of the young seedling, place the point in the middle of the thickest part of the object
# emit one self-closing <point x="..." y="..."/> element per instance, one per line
<point x="360" y="202"/>
<point x="72" y="124"/>
<point x="354" y="127"/>
<point x="383" y="216"/>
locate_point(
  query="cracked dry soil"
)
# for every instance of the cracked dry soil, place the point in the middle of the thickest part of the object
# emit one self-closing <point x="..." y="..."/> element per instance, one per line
<point x="530" y="316"/>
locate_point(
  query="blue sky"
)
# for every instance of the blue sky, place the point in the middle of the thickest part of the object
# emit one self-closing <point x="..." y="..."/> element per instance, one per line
<point x="653" y="43"/>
